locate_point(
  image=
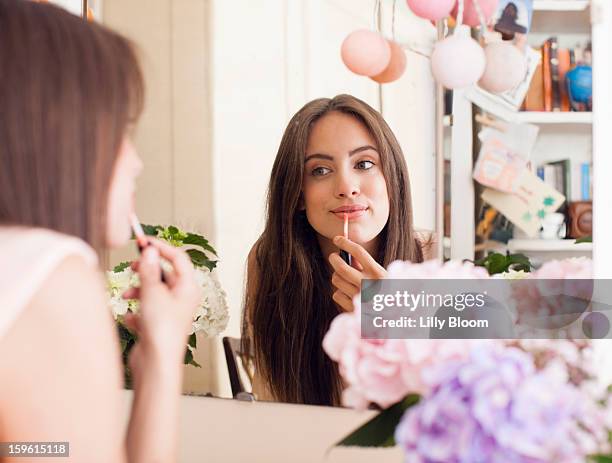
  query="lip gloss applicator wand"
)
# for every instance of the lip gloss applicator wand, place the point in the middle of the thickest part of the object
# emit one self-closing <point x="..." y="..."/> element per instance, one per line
<point x="346" y="257"/>
<point x="141" y="238"/>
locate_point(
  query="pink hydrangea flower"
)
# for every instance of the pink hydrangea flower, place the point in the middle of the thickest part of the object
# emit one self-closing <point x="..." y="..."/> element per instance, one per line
<point x="383" y="371"/>
<point x="541" y="300"/>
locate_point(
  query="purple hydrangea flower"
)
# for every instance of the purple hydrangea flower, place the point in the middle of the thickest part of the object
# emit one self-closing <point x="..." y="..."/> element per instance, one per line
<point x="495" y="407"/>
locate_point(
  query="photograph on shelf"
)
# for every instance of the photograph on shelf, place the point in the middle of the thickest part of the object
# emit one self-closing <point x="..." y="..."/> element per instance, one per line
<point x="513" y="17"/>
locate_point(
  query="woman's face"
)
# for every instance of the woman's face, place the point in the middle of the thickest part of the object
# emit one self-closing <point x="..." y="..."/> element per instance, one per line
<point x="122" y="192"/>
<point x="343" y="174"/>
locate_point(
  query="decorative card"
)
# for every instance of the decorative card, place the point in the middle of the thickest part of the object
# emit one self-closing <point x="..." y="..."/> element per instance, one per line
<point x="504" y="155"/>
<point x="526" y="208"/>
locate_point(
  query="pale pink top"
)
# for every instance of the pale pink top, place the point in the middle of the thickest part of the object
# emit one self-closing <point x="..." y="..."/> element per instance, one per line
<point x="27" y="257"/>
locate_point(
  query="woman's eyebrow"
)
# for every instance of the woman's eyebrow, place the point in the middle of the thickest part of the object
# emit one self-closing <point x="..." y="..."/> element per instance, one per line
<point x="362" y="148"/>
<point x="327" y="157"/>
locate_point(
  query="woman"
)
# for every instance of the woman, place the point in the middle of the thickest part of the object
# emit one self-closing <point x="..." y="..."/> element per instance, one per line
<point x="69" y="94"/>
<point x="337" y="156"/>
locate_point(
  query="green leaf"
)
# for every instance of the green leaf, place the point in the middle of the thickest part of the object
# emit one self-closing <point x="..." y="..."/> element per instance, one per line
<point x="188" y="360"/>
<point x="200" y="259"/>
<point x="379" y="431"/>
<point x="584" y="239"/>
<point x="124" y="333"/>
<point x="121" y="267"/>
<point x="498" y="263"/>
<point x="199" y="240"/>
<point x="151" y="230"/>
<point x="193" y="341"/>
<point x="601" y="458"/>
<point x="172" y="235"/>
<point x="518" y="262"/>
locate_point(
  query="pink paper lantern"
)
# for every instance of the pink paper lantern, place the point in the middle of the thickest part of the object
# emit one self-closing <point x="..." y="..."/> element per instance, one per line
<point x="470" y="15"/>
<point x="505" y="67"/>
<point x="365" y="52"/>
<point x="433" y="10"/>
<point x="457" y="61"/>
<point x="396" y="67"/>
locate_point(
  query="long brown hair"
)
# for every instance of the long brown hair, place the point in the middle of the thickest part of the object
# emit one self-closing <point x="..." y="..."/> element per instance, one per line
<point x="290" y="311"/>
<point x="68" y="91"/>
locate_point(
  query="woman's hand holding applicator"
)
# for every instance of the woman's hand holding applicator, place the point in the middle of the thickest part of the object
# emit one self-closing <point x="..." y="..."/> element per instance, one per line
<point x="347" y="279"/>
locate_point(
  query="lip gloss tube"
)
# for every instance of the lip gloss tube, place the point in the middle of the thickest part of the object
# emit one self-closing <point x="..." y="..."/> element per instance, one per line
<point x="346" y="257"/>
<point x="141" y="238"/>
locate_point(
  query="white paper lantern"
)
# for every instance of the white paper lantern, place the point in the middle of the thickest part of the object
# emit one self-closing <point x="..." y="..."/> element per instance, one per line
<point x="505" y="67"/>
<point x="458" y="61"/>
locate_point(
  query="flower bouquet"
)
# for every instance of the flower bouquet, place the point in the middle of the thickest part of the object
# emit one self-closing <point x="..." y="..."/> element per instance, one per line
<point x="211" y="317"/>
<point x="464" y="401"/>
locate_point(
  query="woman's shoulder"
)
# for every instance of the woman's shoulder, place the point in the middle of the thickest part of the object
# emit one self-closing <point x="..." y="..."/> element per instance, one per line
<point x="29" y="257"/>
<point x="27" y="245"/>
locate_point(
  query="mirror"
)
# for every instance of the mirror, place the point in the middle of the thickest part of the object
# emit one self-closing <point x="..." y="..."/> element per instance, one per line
<point x="223" y="81"/>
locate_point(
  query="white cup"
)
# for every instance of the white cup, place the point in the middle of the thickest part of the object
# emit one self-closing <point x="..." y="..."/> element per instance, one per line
<point x="552" y="226"/>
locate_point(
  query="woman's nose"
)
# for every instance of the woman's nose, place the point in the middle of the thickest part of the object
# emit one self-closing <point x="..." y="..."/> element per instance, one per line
<point x="347" y="186"/>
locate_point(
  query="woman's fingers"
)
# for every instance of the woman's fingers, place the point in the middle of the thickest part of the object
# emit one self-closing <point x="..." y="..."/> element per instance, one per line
<point x="343" y="301"/>
<point x="132" y="321"/>
<point x="369" y="265"/>
<point x="183" y="275"/>
<point x="178" y="258"/>
<point x="346" y="287"/>
<point x="132" y="293"/>
<point x="169" y="276"/>
<point x="344" y="270"/>
<point x="149" y="269"/>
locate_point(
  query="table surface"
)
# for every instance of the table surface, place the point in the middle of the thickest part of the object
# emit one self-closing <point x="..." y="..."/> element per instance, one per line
<point x="225" y="430"/>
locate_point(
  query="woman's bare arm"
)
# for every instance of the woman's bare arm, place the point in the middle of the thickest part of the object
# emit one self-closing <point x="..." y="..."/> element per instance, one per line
<point x="61" y="369"/>
<point x="63" y="360"/>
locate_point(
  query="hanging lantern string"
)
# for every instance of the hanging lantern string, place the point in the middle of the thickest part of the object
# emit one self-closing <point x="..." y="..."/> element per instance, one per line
<point x="376" y="16"/>
<point x="393" y="20"/>
<point x="377" y="26"/>
<point x="460" y="12"/>
<point x="481" y="16"/>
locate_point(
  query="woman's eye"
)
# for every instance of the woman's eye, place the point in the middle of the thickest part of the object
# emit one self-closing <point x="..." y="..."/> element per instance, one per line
<point x="320" y="171"/>
<point x="364" y="165"/>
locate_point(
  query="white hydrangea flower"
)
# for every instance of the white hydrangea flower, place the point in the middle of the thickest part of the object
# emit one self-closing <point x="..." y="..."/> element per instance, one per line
<point x="211" y="317"/>
<point x="119" y="306"/>
<point x="119" y="281"/>
<point x="512" y="275"/>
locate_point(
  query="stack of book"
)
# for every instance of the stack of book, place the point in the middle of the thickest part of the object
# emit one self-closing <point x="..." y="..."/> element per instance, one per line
<point x="548" y="90"/>
<point x="571" y="178"/>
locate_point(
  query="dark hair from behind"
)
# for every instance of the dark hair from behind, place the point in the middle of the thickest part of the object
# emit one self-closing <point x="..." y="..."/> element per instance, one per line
<point x="287" y="316"/>
<point x="69" y="90"/>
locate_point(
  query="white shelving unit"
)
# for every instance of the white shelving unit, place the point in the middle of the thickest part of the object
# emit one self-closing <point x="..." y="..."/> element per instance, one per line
<point x="539" y="245"/>
<point x="534" y="117"/>
<point x="574" y="135"/>
<point x="560" y="5"/>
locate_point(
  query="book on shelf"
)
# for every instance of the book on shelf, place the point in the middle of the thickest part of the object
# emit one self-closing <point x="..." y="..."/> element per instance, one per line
<point x="548" y="89"/>
<point x="571" y="178"/>
<point x="554" y="74"/>
<point x="534" y="100"/>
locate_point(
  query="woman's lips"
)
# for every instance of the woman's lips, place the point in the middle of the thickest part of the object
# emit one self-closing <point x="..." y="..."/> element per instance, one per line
<point x="354" y="214"/>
